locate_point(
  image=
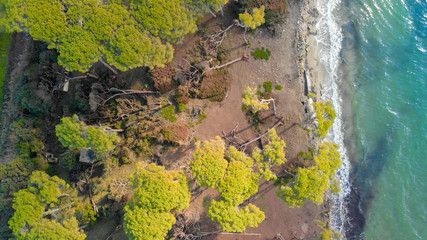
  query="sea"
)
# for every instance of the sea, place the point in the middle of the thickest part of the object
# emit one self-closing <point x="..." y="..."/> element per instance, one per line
<point x="375" y="54"/>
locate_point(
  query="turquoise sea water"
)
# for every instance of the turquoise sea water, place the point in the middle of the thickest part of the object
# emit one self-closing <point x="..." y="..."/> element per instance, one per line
<point x="386" y="61"/>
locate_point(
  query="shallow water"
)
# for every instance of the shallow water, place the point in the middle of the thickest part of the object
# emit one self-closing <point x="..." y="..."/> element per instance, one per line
<point x="383" y="57"/>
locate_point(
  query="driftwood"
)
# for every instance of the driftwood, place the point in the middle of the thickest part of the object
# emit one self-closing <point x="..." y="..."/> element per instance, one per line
<point x="244" y="57"/>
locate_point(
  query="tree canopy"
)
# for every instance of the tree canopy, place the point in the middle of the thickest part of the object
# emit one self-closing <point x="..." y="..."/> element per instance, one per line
<point x="158" y="190"/>
<point x="209" y="165"/>
<point x="140" y="223"/>
<point x="326" y="115"/>
<point x="240" y="181"/>
<point x="233" y="218"/>
<point x="253" y="20"/>
<point x="74" y="134"/>
<point x="156" y="194"/>
<point x="43" y="207"/>
<point x="272" y="155"/>
<point x="127" y="34"/>
<point x="312" y="183"/>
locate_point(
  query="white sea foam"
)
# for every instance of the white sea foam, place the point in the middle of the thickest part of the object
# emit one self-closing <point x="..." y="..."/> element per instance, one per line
<point x="329" y="39"/>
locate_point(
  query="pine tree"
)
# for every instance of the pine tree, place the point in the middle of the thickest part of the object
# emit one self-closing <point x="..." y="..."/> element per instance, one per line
<point x="127" y="34"/>
<point x="253" y="20"/>
<point x="240" y="181"/>
<point x="43" y="198"/>
<point x="233" y="218"/>
<point x="272" y="155"/>
<point x="312" y="183"/>
<point x="157" y="193"/>
<point x="209" y="165"/>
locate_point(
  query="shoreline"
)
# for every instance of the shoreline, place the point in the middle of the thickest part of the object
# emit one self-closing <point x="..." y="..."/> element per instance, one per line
<point x="322" y="73"/>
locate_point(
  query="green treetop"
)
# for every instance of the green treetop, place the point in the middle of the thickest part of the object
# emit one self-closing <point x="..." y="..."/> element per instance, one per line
<point x="156" y="193"/>
<point x="312" y="183"/>
<point x="158" y="190"/>
<point x="127" y="34"/>
<point x="167" y="19"/>
<point x="209" y="165"/>
<point x="49" y="229"/>
<point x="326" y="115"/>
<point x="253" y="20"/>
<point x="139" y="223"/>
<point x="272" y="155"/>
<point x="74" y="134"/>
<point x="131" y="48"/>
<point x="240" y="181"/>
<point x="233" y="218"/>
<point x="45" y="197"/>
<point x="205" y="6"/>
<point x="71" y="133"/>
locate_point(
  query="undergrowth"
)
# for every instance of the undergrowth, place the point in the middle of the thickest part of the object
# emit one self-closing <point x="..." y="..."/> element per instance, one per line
<point x="261" y="53"/>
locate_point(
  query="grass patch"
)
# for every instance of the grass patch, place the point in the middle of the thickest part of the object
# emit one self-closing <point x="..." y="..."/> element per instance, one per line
<point x="202" y="116"/>
<point x="261" y="53"/>
<point x="168" y="113"/>
<point x="4" y="51"/>
<point x="268" y="86"/>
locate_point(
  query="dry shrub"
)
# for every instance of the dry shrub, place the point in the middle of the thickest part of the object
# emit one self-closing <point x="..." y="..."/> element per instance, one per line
<point x="274" y="5"/>
<point x="215" y="86"/>
<point x="176" y="133"/>
<point x="182" y="94"/>
<point x="163" y="77"/>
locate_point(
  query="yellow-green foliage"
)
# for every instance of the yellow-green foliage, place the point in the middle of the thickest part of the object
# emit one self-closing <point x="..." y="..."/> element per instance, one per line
<point x="168" y="113"/>
<point x="233" y="218"/>
<point x="51" y="229"/>
<point x="74" y="134"/>
<point x="272" y="155"/>
<point x="5" y="39"/>
<point x="209" y="165"/>
<point x="251" y="100"/>
<point x="311" y="95"/>
<point x="167" y="19"/>
<point x="127" y="34"/>
<point x="327" y="233"/>
<point x="31" y="204"/>
<point x="240" y="181"/>
<point x="312" y="183"/>
<point x="253" y="20"/>
<point x="235" y="180"/>
<point x="139" y="223"/>
<point x="157" y="193"/>
<point x="326" y="114"/>
<point x="158" y="190"/>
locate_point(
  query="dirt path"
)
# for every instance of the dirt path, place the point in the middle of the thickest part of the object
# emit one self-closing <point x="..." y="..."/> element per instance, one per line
<point x="20" y="53"/>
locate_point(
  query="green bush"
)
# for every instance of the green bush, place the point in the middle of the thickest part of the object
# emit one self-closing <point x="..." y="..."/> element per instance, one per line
<point x="311" y="95"/>
<point x="268" y="86"/>
<point x="181" y="107"/>
<point x="168" y="113"/>
<point x="278" y="87"/>
<point x="261" y="53"/>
